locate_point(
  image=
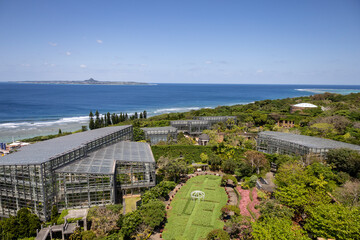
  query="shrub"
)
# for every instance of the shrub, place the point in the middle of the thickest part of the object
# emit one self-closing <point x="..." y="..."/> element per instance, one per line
<point x="218" y="234"/>
<point x="225" y="178"/>
<point x="61" y="219"/>
<point x="230" y="208"/>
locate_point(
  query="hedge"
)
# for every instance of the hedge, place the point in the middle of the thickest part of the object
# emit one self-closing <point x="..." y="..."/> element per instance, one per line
<point x="191" y="153"/>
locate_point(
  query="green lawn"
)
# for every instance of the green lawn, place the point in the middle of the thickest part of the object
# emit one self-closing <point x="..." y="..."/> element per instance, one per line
<point x="130" y="203"/>
<point x="189" y="219"/>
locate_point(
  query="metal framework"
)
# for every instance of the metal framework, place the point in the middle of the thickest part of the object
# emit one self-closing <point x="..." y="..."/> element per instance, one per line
<point x="197" y="195"/>
<point x="294" y="144"/>
<point x="216" y="119"/>
<point x="191" y="126"/>
<point x="195" y="127"/>
<point x="32" y="177"/>
<point x="158" y="134"/>
<point x="105" y="175"/>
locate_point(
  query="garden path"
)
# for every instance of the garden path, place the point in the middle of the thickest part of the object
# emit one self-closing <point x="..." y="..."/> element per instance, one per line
<point x="245" y="202"/>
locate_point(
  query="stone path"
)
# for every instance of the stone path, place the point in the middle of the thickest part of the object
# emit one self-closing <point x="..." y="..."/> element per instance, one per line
<point x="232" y="196"/>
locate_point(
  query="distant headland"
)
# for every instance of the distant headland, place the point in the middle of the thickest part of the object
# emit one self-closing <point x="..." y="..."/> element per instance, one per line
<point x="90" y="81"/>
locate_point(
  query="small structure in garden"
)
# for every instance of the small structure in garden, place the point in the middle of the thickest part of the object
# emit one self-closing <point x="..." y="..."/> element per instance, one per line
<point x="203" y="139"/>
<point x="197" y="195"/>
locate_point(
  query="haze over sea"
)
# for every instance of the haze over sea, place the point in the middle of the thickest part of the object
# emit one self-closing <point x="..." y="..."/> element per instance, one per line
<point x="28" y="110"/>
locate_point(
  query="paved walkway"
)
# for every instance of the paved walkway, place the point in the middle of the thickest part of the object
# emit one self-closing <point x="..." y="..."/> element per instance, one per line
<point x="232" y="196"/>
<point x="67" y="228"/>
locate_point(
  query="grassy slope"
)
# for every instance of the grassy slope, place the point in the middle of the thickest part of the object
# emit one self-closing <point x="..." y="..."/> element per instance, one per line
<point x="190" y="219"/>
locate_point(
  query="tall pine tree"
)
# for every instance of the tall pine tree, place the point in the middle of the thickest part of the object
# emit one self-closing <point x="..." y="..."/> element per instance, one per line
<point x="97" y="120"/>
<point x="91" y="122"/>
<point x="108" y="123"/>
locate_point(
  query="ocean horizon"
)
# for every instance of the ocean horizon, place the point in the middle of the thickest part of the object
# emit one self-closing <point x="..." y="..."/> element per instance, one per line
<point x="28" y="110"/>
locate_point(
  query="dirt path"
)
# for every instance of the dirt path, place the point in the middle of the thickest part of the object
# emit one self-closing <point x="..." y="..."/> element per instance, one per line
<point x="246" y="201"/>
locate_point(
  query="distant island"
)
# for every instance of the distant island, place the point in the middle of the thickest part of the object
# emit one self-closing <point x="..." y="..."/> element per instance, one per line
<point x="90" y="81"/>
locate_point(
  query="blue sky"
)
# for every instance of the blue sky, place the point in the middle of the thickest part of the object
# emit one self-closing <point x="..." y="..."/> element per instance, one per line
<point x="222" y="41"/>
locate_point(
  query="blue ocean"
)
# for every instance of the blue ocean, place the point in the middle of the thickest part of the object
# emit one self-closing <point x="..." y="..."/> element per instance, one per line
<point x="28" y="110"/>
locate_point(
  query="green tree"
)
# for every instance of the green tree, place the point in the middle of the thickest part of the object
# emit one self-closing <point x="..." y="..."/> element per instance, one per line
<point x="54" y="214"/>
<point x="97" y="123"/>
<point x="218" y="234"/>
<point x="229" y="165"/>
<point x="131" y="222"/>
<point x="215" y="162"/>
<point x="153" y="213"/>
<point x="243" y="170"/>
<point x="108" y="119"/>
<point x="144" y="114"/>
<point x="345" y="160"/>
<point x="277" y="229"/>
<point x="273" y="209"/>
<point x="175" y="169"/>
<point x="204" y="158"/>
<point x="138" y="134"/>
<point x="27" y="223"/>
<point x="291" y="173"/>
<point x="333" y="221"/>
<point x="88" y="235"/>
<point x="91" y="122"/>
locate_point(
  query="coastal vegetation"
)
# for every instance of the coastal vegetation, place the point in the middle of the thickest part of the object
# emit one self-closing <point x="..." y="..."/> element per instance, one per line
<point x="311" y="197"/>
<point x="337" y="117"/>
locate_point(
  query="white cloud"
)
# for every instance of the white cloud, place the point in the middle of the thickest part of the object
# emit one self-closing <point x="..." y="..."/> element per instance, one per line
<point x="25" y="65"/>
<point x="208" y="62"/>
<point x="99" y="41"/>
<point x="68" y="53"/>
<point x="260" y="71"/>
<point x="53" y="44"/>
<point x="83" y="66"/>
<point x="49" y="64"/>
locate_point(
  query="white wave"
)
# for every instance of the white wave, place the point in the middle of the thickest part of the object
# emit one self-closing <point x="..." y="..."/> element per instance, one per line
<point x="179" y="109"/>
<point x="322" y="90"/>
<point x="82" y="119"/>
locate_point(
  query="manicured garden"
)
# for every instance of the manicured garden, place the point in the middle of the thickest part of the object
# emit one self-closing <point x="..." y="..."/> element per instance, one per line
<point x="194" y="219"/>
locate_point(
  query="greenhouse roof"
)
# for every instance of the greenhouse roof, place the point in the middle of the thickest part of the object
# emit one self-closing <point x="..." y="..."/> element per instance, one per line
<point x="215" y="118"/>
<point x="159" y="129"/>
<point x="187" y="122"/>
<point x="311" y="142"/>
<point x="41" y="152"/>
<point x="103" y="160"/>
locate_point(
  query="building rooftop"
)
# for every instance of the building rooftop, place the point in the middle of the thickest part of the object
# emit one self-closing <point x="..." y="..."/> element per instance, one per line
<point x="159" y="129"/>
<point x="41" y="152"/>
<point x="215" y="118"/>
<point x="182" y="122"/>
<point x="311" y="142"/>
<point x="204" y="137"/>
<point x="305" y="105"/>
<point x="102" y="161"/>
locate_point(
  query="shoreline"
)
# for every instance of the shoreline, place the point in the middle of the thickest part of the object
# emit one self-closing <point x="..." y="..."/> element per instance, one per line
<point x="22" y="129"/>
